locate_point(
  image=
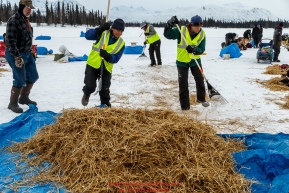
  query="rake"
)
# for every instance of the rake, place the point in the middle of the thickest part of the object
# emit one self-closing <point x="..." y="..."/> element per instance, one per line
<point x="99" y="84"/>
<point x="143" y="56"/>
<point x="215" y="97"/>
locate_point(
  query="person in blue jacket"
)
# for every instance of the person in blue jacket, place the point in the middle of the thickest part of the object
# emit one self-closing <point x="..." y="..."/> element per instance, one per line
<point x="106" y="51"/>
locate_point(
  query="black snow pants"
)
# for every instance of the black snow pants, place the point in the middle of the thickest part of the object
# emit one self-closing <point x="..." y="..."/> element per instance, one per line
<point x="91" y="76"/>
<point x="183" y="74"/>
<point x="155" y="47"/>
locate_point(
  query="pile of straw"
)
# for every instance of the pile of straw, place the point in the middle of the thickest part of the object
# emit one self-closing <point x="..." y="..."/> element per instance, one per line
<point x="121" y="150"/>
<point x="273" y="69"/>
<point x="274" y="84"/>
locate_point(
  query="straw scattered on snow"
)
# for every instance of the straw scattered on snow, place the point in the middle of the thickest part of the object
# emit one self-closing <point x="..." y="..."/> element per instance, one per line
<point x="273" y="69"/>
<point x="111" y="150"/>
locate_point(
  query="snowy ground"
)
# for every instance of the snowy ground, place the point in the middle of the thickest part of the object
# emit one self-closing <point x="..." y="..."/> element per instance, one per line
<point x="251" y="107"/>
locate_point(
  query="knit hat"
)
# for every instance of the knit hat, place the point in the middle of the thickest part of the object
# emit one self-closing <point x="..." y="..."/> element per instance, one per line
<point x="196" y="21"/>
<point x="281" y="24"/>
<point x="27" y="3"/>
<point x="118" y="24"/>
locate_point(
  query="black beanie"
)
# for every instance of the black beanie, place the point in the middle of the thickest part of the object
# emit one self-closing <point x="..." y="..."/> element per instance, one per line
<point x="118" y="24"/>
<point x="281" y="24"/>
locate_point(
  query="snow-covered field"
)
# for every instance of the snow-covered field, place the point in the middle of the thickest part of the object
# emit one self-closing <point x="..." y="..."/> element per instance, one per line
<point x="251" y="107"/>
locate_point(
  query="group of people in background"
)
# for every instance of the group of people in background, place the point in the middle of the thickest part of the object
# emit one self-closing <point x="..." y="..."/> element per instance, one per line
<point x="108" y="49"/>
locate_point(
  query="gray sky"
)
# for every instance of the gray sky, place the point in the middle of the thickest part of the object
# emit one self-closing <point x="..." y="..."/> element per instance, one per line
<point x="277" y="7"/>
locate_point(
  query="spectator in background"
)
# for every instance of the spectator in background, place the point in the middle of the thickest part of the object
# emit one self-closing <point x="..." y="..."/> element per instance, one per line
<point x="256" y="35"/>
<point x="154" y="40"/>
<point x="277" y="38"/>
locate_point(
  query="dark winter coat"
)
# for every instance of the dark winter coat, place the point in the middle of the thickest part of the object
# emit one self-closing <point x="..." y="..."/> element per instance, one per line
<point x="19" y="34"/>
<point x="277" y="37"/>
<point x="247" y="34"/>
<point x="173" y="33"/>
<point x="255" y="31"/>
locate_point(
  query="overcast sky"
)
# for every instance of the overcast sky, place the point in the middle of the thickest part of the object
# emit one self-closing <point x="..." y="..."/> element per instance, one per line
<point x="277" y="7"/>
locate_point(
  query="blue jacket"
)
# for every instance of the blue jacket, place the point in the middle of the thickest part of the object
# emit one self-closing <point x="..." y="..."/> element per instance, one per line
<point x="93" y="34"/>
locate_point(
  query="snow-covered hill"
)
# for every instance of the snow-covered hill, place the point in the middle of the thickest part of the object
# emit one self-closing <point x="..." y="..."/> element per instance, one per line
<point x="228" y="12"/>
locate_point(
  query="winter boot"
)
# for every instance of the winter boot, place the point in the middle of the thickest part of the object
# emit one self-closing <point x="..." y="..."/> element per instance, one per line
<point x="13" y="105"/>
<point x="24" y="96"/>
<point x="204" y="103"/>
<point x="85" y="99"/>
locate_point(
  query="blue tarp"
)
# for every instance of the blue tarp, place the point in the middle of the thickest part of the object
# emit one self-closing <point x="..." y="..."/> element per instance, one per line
<point x="20" y="129"/>
<point x="1" y="38"/>
<point x="43" y="38"/>
<point x="43" y="51"/>
<point x="266" y="160"/>
<point x="82" y="34"/>
<point x="231" y="49"/>
<point x="80" y="58"/>
<point x="252" y="42"/>
<point x="133" y="49"/>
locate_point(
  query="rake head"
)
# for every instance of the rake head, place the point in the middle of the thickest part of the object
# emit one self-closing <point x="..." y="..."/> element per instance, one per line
<point x="142" y="57"/>
<point x="216" y="98"/>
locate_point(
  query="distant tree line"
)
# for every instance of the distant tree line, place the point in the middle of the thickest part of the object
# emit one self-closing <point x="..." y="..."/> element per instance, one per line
<point x="69" y="14"/>
<point x="211" y="22"/>
<point x="61" y="14"/>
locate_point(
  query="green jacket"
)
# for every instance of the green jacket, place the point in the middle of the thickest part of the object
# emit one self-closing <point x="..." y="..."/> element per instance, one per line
<point x="173" y="33"/>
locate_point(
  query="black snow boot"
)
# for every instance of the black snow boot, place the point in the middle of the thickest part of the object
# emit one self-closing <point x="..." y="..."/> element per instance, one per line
<point x="24" y="96"/>
<point x="85" y="99"/>
<point x="13" y="105"/>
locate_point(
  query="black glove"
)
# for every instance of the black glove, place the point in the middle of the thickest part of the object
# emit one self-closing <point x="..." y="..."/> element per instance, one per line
<point x="174" y="20"/>
<point x="104" y="54"/>
<point x="145" y="42"/>
<point x="19" y="61"/>
<point x="103" y="27"/>
<point x="190" y="49"/>
<point x="147" y="33"/>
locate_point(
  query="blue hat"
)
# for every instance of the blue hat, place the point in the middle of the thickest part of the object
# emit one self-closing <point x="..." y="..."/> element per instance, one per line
<point x="196" y="21"/>
<point x="118" y="24"/>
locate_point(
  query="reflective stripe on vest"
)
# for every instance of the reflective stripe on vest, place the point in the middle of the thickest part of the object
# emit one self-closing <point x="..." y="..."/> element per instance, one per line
<point x="151" y="38"/>
<point x="182" y="54"/>
<point x="94" y="60"/>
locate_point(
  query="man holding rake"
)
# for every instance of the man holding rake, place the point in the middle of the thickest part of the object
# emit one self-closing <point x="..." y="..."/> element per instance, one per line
<point x="193" y="46"/>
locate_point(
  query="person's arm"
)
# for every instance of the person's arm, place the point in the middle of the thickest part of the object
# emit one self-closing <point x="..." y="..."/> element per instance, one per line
<point x="200" y="49"/>
<point x="151" y="32"/>
<point x="116" y="57"/>
<point x="171" y="33"/>
<point x="92" y="34"/>
<point x="11" y="36"/>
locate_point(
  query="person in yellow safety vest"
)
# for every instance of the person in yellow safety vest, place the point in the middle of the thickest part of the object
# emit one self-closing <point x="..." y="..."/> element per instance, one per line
<point x="196" y="39"/>
<point x="101" y="59"/>
<point x="154" y="40"/>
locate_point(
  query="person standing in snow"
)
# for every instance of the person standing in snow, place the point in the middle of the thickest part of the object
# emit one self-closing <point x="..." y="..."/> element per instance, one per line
<point x="256" y="35"/>
<point x="154" y="40"/>
<point x="110" y="37"/>
<point x="196" y="38"/>
<point x="277" y="39"/>
<point x="18" y="41"/>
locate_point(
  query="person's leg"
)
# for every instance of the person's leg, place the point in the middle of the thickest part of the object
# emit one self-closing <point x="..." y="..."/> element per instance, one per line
<point x="200" y="85"/>
<point x="276" y="53"/>
<point x="183" y="87"/>
<point x="19" y="78"/>
<point x="158" y="52"/>
<point x="105" y="92"/>
<point x="152" y="54"/>
<point x="31" y="77"/>
<point x="91" y="75"/>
